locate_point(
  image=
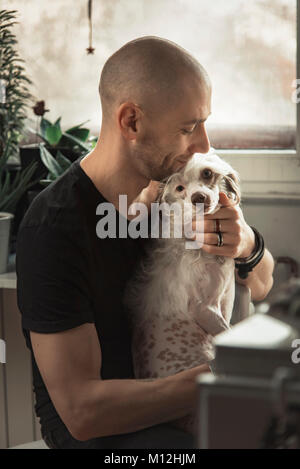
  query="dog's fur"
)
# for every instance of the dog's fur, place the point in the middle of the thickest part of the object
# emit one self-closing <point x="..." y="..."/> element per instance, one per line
<point x="180" y="298"/>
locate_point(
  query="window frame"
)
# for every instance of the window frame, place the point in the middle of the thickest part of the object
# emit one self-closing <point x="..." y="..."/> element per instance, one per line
<point x="270" y="173"/>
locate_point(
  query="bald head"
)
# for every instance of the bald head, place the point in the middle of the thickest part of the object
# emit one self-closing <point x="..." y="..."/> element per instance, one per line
<point x="149" y="72"/>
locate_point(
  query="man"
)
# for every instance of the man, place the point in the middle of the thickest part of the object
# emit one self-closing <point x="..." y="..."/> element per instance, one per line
<point x="155" y="100"/>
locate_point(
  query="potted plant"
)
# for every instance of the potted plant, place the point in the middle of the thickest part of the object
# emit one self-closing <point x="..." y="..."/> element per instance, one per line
<point x="71" y="143"/>
<point x="10" y="194"/>
<point x="14" y="92"/>
<point x="14" y="100"/>
<point x="56" y="166"/>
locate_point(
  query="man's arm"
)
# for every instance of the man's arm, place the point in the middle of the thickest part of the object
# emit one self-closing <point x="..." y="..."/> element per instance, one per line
<point x="260" y="280"/>
<point x="70" y="364"/>
<point x="239" y="242"/>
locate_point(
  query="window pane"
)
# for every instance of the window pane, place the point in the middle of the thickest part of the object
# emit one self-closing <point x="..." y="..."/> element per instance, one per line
<point x="248" y="49"/>
<point x="252" y="101"/>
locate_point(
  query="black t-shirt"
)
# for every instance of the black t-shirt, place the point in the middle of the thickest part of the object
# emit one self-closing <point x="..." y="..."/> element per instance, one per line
<point x="68" y="276"/>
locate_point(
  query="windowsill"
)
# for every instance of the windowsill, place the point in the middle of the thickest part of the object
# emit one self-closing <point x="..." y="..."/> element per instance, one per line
<point x="251" y="136"/>
<point x="268" y="174"/>
<point x="273" y="197"/>
<point x="257" y="152"/>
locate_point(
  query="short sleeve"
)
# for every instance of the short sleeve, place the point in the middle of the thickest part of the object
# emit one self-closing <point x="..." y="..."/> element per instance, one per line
<point x="53" y="291"/>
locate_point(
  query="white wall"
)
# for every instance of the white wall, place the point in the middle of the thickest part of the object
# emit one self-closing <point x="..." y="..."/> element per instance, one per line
<point x="248" y="49"/>
<point x="279" y="222"/>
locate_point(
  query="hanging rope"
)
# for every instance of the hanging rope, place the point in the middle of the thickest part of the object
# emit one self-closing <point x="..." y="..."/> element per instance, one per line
<point x="90" y="49"/>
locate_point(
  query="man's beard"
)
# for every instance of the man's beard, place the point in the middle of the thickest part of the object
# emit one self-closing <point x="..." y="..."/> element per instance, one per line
<point x="152" y="159"/>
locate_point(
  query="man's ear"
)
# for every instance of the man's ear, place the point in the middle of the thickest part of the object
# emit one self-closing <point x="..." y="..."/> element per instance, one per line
<point x="128" y="116"/>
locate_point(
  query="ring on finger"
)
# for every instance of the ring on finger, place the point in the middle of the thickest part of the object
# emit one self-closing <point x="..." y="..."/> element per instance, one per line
<point x="220" y="239"/>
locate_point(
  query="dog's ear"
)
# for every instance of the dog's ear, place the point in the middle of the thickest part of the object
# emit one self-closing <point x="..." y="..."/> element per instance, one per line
<point x="232" y="186"/>
<point x="161" y="188"/>
<point x="160" y="191"/>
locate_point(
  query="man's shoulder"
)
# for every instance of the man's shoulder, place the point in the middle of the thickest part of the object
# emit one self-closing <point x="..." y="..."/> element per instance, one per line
<point x="58" y="205"/>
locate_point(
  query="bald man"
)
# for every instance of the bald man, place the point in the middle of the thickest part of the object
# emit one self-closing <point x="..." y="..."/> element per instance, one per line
<point x="155" y="100"/>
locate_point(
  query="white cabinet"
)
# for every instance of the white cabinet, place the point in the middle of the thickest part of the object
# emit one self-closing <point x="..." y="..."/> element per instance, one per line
<point x="18" y="423"/>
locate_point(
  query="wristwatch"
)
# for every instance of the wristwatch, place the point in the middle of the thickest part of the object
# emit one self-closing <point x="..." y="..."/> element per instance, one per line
<point x="247" y="264"/>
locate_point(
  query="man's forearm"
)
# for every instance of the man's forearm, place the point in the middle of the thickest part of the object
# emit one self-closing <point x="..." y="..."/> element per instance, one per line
<point x="260" y="280"/>
<point x="111" y="407"/>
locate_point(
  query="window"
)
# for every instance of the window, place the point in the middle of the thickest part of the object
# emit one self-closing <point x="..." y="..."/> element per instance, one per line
<point x="253" y="106"/>
<point x="248" y="49"/>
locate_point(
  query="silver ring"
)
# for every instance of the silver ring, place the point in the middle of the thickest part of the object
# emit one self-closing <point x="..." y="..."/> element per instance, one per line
<point x="220" y="239"/>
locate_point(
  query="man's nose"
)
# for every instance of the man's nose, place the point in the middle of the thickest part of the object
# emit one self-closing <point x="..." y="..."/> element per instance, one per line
<point x="201" y="143"/>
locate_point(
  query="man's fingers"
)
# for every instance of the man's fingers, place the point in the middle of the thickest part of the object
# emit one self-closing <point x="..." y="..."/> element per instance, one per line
<point x="225" y="200"/>
<point x="209" y="226"/>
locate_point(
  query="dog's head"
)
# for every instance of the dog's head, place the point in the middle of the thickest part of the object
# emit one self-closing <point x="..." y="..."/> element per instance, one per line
<point x="201" y="181"/>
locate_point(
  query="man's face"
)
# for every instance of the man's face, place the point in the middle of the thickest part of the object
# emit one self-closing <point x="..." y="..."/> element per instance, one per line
<point x="171" y="139"/>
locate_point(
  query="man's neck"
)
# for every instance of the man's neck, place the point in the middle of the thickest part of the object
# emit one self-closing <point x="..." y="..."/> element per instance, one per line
<point x="112" y="175"/>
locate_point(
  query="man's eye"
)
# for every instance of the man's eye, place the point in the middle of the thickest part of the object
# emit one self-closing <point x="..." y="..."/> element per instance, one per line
<point x="180" y="188"/>
<point x="207" y="173"/>
<point x="185" y="132"/>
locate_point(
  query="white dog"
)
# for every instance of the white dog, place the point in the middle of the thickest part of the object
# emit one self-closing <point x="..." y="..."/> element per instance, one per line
<point x="180" y="298"/>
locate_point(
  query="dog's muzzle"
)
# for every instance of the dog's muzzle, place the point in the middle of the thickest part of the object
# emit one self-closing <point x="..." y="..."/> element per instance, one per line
<point x="198" y="198"/>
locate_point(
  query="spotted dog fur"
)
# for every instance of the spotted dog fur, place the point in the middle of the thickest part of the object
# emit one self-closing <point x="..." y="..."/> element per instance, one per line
<point x="180" y="299"/>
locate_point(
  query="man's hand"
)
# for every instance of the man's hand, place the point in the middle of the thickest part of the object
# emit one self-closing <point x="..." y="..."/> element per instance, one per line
<point x="238" y="237"/>
<point x="147" y="196"/>
<point x="70" y="363"/>
<point x="239" y="241"/>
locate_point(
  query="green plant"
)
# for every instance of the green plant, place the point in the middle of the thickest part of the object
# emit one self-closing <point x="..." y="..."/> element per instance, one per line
<point x="14" y="101"/>
<point x="11" y="192"/>
<point x="56" y="166"/>
<point x="15" y="94"/>
<point x="76" y="138"/>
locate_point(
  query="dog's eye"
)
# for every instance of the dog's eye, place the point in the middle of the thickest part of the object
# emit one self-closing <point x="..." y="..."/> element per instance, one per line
<point x="207" y="173"/>
<point x="180" y="188"/>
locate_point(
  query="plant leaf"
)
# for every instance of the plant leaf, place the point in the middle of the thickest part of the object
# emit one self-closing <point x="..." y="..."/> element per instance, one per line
<point x="10" y="201"/>
<point x="44" y="125"/>
<point x="50" y="162"/>
<point x="82" y="133"/>
<point x="64" y="162"/>
<point x="77" y="141"/>
<point x="76" y="126"/>
<point x="45" y="182"/>
<point x="53" y="134"/>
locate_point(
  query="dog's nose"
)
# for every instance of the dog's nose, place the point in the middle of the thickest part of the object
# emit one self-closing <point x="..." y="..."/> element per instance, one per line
<point x="198" y="198"/>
